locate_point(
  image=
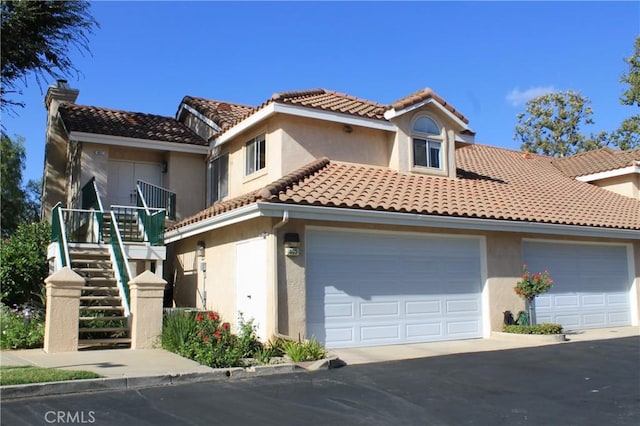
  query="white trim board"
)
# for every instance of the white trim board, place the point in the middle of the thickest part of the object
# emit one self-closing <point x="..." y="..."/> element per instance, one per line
<point x="274" y="108"/>
<point x="138" y="143"/>
<point x="335" y="214"/>
<point x="609" y="174"/>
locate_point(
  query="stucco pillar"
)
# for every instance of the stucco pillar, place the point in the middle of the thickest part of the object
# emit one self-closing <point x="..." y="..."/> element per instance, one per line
<point x="62" y="311"/>
<point x="147" y="292"/>
<point x="504" y="269"/>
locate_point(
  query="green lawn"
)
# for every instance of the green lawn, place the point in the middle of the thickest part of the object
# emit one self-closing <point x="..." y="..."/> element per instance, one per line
<point x="27" y="374"/>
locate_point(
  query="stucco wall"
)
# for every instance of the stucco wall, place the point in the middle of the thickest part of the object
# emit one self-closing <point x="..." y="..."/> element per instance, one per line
<point x="401" y="155"/>
<point x="305" y="140"/>
<point x="220" y="282"/>
<point x="194" y="123"/>
<point x="186" y="176"/>
<point x="627" y="185"/>
<point x="503" y="269"/>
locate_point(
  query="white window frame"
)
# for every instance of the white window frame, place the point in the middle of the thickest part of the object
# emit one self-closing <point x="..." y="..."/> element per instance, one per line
<point x="255" y="155"/>
<point x="431" y="141"/>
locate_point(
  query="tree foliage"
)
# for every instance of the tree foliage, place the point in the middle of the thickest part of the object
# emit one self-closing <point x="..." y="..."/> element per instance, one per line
<point x="23" y="265"/>
<point x="19" y="204"/>
<point x="631" y="96"/>
<point x="37" y="37"/>
<point x="628" y="134"/>
<point x="551" y="124"/>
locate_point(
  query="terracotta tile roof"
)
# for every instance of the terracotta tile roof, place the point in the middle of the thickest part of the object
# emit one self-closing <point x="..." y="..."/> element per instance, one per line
<point x="104" y="121"/>
<point x="253" y="196"/>
<point x="422" y="95"/>
<point x="322" y="99"/>
<point x="222" y="113"/>
<point x="492" y="183"/>
<point x="330" y="100"/>
<point x="600" y="160"/>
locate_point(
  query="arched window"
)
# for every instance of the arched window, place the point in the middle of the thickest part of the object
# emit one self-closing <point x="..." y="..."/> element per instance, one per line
<point x="427" y="143"/>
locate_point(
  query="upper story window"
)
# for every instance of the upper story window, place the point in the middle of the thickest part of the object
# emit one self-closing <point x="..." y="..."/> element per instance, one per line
<point x="255" y="155"/>
<point x="218" y="178"/>
<point x="427" y="143"/>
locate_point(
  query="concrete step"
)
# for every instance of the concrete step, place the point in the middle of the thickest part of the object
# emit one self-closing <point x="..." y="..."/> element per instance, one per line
<point x="98" y="308"/>
<point x="102" y="329"/>
<point x="105" y="318"/>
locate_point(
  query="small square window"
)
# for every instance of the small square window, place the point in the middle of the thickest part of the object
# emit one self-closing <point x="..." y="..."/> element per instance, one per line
<point x="255" y="155"/>
<point x="426" y="153"/>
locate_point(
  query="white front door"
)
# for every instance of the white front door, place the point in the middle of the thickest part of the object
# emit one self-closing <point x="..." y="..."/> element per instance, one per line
<point x="122" y="178"/>
<point x="369" y="288"/>
<point x="591" y="284"/>
<point x="251" y="283"/>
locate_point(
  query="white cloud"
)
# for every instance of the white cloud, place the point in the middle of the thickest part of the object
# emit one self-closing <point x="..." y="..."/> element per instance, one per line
<point x="517" y="98"/>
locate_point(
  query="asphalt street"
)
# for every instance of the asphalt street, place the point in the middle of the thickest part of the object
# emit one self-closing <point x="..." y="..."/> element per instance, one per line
<point x="586" y="383"/>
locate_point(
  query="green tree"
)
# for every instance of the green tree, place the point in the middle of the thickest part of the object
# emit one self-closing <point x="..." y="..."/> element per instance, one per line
<point x="23" y="263"/>
<point x="631" y="96"/>
<point x="37" y="37"/>
<point x="19" y="204"/>
<point x="628" y="134"/>
<point x="551" y="125"/>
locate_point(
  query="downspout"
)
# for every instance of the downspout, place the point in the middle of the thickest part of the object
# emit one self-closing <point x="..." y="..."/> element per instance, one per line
<point x="274" y="250"/>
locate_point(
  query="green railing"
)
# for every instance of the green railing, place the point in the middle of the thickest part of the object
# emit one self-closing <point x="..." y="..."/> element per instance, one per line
<point x="155" y="197"/>
<point x="123" y="273"/>
<point x="91" y="201"/>
<point x="153" y="226"/>
<point x="59" y="235"/>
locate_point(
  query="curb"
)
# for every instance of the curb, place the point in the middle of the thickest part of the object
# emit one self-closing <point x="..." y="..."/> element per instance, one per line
<point x="533" y="338"/>
<point x="127" y="383"/>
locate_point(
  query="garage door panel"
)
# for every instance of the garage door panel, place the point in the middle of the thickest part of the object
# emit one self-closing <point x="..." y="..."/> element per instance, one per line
<point x="373" y="334"/>
<point x="463" y="306"/>
<point x="424" y="331"/>
<point x="423" y="307"/>
<point x="591" y="285"/>
<point x="379" y="309"/>
<point x="389" y="289"/>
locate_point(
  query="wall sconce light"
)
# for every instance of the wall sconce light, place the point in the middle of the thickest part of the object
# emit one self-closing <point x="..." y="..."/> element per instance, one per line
<point x="200" y="248"/>
<point x="291" y="244"/>
<point x="165" y="167"/>
<point x="347" y="128"/>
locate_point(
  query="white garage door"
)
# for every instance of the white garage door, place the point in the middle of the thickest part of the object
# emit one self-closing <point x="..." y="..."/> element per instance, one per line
<point x="591" y="284"/>
<point x="367" y="289"/>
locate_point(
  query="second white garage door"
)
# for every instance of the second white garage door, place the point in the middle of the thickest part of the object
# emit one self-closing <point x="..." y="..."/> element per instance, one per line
<point x="368" y="289"/>
<point x="591" y="284"/>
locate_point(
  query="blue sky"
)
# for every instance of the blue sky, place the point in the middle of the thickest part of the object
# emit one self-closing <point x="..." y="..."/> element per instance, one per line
<point x="484" y="58"/>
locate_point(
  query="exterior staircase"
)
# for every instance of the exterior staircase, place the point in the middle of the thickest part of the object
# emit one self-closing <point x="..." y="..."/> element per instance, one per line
<point x="102" y="318"/>
<point x="128" y="225"/>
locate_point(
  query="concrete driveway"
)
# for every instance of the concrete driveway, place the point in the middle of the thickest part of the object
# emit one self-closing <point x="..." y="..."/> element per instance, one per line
<point x="585" y="383"/>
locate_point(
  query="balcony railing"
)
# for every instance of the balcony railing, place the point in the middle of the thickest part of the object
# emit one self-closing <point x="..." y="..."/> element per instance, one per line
<point x="151" y="196"/>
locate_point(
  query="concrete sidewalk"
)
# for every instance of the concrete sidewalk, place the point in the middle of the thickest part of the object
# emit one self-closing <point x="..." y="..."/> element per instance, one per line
<point x="498" y="342"/>
<point x="126" y="369"/>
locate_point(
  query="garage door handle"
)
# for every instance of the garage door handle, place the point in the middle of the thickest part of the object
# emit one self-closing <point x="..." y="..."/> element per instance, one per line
<point x="248" y="296"/>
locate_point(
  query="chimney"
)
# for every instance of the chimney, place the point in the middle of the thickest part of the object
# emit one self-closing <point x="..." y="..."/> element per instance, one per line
<point x="58" y="93"/>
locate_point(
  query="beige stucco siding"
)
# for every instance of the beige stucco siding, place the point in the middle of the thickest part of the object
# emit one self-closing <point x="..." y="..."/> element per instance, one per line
<point x="189" y="282"/>
<point x="627" y="185"/>
<point x="305" y="140"/>
<point x="401" y="158"/>
<point x="186" y="176"/>
<point x="503" y="252"/>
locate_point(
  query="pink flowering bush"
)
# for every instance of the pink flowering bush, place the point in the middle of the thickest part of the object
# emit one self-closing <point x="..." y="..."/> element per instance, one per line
<point x="532" y="285"/>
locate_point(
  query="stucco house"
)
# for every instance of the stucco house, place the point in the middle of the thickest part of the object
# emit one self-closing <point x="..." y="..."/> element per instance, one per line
<point x="321" y="214"/>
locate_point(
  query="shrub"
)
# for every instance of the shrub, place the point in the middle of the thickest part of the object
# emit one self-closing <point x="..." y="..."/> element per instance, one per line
<point x="531" y="285"/>
<point x="204" y="338"/>
<point x="23" y="265"/>
<point x="177" y="329"/>
<point x="307" y="350"/>
<point x="545" y="328"/>
<point x="22" y="328"/>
